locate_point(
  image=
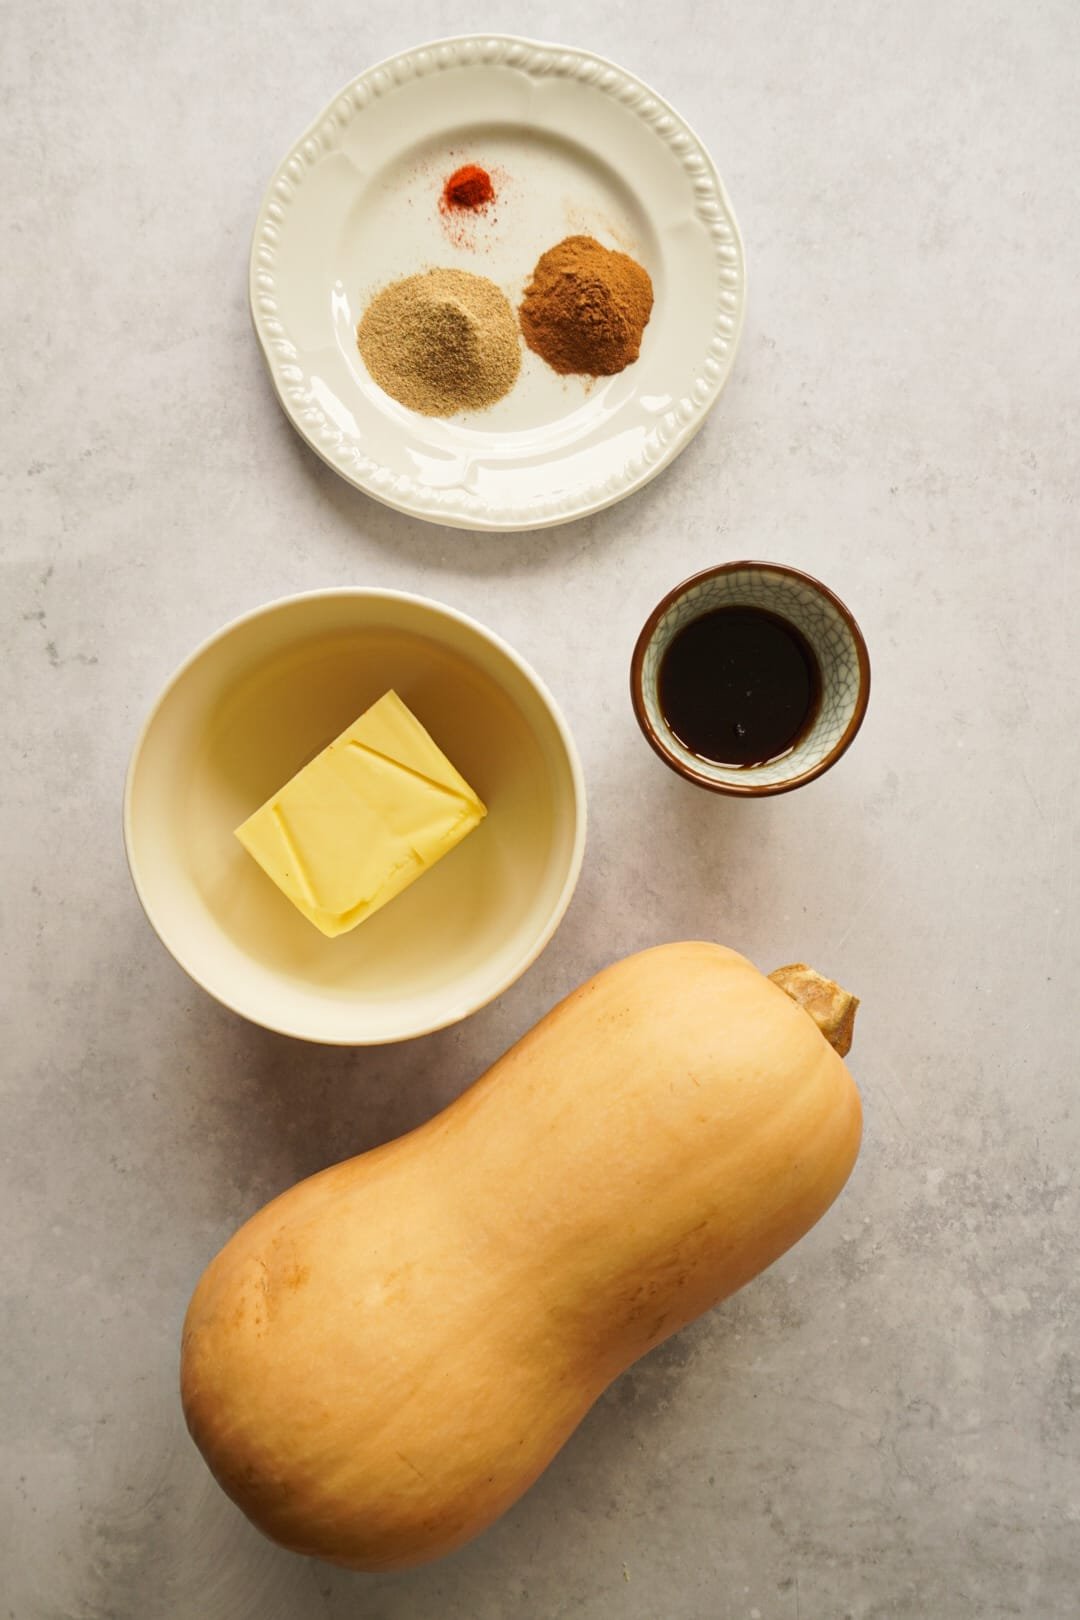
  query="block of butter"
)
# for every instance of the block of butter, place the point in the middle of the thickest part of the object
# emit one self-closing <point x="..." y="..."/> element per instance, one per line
<point x="370" y="814"/>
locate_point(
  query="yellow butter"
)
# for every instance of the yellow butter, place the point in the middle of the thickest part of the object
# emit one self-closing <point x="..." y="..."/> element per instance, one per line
<point x="370" y="814"/>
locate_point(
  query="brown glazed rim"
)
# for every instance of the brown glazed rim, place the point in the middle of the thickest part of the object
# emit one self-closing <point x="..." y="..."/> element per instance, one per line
<point x="656" y="741"/>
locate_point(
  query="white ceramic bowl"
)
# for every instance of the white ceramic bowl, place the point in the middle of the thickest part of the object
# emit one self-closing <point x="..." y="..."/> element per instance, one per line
<point x="254" y="704"/>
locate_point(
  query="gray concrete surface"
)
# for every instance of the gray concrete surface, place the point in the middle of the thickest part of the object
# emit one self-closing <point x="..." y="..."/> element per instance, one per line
<point x="888" y="1423"/>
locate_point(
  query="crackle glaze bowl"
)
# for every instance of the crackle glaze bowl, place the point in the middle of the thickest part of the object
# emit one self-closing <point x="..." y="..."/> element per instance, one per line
<point x="834" y="639"/>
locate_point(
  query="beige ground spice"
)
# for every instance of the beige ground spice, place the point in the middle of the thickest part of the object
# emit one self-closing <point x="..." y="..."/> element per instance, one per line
<point x="441" y="342"/>
<point x="586" y="307"/>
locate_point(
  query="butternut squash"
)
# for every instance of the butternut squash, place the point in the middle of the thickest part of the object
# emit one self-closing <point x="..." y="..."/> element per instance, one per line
<point x="384" y="1358"/>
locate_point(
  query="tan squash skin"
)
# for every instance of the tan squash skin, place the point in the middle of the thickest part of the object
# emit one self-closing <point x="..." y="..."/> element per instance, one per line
<point x="384" y="1358"/>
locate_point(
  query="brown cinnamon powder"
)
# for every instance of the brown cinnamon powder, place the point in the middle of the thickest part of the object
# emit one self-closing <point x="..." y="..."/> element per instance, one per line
<point x="586" y="308"/>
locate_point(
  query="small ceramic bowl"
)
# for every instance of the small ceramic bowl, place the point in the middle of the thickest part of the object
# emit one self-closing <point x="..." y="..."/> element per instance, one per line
<point x="252" y="706"/>
<point x="834" y="638"/>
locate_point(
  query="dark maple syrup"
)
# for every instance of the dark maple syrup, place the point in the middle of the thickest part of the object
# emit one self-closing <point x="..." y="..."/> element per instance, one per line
<point x="739" y="686"/>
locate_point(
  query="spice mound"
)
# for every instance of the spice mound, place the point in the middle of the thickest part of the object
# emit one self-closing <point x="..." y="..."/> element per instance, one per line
<point x="586" y="308"/>
<point x="440" y="342"/>
<point x="468" y="187"/>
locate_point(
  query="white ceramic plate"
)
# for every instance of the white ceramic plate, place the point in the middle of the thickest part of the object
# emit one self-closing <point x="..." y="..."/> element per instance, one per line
<point x="577" y="145"/>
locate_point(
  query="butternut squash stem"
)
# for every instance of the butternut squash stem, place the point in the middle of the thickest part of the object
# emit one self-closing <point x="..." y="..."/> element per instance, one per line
<point x="831" y="1007"/>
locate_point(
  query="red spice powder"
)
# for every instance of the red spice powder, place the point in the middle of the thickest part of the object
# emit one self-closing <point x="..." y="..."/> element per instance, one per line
<point x="468" y="187"/>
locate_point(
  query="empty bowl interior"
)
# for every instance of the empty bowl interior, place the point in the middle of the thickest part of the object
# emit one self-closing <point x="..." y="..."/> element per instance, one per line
<point x="260" y="701"/>
<point x="824" y="626"/>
